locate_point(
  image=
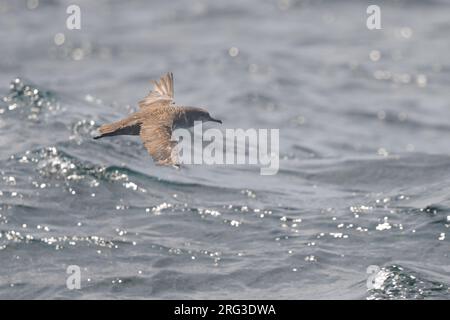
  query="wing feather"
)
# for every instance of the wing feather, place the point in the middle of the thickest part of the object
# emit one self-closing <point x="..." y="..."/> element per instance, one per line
<point x="157" y="141"/>
<point x="162" y="92"/>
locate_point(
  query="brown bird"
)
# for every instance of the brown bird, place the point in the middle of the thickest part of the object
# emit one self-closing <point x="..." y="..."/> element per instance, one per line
<point x="157" y="118"/>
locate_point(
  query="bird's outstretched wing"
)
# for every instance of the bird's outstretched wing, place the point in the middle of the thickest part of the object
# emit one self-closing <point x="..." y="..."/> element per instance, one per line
<point x="162" y="93"/>
<point x="157" y="141"/>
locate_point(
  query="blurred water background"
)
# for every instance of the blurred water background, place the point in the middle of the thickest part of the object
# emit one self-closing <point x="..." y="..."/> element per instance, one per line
<point x="364" y="173"/>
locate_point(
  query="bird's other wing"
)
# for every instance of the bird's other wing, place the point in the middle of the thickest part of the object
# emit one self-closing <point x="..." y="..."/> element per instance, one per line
<point x="162" y="92"/>
<point x="157" y="141"/>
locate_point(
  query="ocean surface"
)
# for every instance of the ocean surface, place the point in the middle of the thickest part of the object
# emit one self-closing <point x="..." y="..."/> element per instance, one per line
<point x="364" y="178"/>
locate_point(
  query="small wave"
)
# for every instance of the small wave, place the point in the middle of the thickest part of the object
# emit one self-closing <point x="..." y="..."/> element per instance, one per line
<point x="29" y="100"/>
<point x="397" y="282"/>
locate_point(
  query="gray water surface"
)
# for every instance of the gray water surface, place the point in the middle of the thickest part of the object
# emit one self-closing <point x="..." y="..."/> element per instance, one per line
<point x="364" y="145"/>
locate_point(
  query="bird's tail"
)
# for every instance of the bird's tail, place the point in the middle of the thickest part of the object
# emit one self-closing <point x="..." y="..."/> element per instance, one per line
<point x="129" y="126"/>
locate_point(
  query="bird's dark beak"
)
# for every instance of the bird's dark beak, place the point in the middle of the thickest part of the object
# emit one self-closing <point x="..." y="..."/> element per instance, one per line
<point x="215" y="120"/>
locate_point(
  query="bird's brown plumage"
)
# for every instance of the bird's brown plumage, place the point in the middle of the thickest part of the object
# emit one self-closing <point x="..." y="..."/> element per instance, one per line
<point x="162" y="94"/>
<point x="154" y="122"/>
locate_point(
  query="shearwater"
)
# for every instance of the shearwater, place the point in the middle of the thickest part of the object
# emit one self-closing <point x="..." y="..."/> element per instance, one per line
<point x="157" y="118"/>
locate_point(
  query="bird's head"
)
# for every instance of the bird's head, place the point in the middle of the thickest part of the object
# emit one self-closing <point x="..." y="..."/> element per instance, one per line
<point x="200" y="114"/>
